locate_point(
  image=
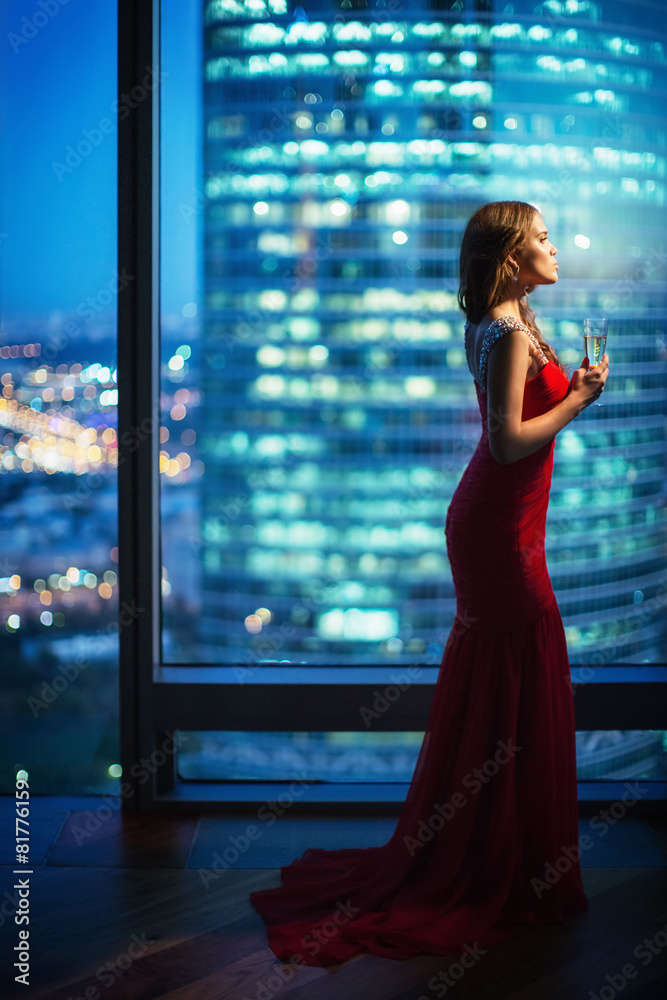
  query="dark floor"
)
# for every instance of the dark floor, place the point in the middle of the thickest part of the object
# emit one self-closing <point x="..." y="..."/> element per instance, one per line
<point x="120" y="906"/>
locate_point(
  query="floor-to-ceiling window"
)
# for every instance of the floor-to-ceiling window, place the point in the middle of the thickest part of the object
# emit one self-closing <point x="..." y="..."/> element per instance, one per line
<point x="319" y="165"/>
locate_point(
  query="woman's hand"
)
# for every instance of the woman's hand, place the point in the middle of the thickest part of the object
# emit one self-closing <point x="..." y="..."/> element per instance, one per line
<point x="588" y="383"/>
<point x="510" y="436"/>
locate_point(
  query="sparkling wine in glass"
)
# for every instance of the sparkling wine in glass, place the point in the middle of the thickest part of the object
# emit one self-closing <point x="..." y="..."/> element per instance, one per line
<point x="595" y="340"/>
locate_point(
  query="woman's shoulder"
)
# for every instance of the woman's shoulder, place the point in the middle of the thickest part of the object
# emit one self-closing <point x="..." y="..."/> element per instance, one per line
<point x="483" y="336"/>
<point x="496" y="324"/>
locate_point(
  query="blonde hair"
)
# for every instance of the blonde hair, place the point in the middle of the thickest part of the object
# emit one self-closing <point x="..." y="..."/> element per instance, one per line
<point x="494" y="232"/>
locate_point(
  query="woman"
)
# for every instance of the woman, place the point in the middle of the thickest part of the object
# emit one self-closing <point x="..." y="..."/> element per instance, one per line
<point x="486" y="842"/>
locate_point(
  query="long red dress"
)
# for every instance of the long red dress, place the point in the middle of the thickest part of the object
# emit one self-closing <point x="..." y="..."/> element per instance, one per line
<point x="487" y="840"/>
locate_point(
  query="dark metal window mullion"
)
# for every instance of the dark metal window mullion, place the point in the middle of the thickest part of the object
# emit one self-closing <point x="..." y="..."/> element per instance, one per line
<point x="138" y="393"/>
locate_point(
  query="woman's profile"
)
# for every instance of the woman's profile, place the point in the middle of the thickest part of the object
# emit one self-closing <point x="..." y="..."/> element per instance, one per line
<point x="487" y="842"/>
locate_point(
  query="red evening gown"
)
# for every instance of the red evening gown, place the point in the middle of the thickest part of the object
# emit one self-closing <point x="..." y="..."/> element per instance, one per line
<point x="487" y="840"/>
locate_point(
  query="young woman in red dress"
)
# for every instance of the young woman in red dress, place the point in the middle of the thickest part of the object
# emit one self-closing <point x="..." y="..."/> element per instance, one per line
<point x="486" y="843"/>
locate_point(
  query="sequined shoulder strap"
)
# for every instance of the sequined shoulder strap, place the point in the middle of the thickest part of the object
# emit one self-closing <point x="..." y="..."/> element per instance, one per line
<point x="495" y="330"/>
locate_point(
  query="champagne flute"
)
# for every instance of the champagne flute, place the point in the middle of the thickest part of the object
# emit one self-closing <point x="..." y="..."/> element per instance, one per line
<point x="595" y="341"/>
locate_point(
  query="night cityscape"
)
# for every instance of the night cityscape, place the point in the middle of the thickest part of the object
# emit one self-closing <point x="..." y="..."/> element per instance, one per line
<point x="317" y="411"/>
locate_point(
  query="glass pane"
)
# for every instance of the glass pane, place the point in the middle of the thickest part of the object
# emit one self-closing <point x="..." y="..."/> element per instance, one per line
<point x="58" y="521"/>
<point x="182" y="202"/>
<point x="318" y="411"/>
<point x="330" y="757"/>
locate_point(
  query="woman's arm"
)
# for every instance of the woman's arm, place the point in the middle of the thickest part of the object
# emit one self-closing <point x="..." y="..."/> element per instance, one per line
<point x="510" y="437"/>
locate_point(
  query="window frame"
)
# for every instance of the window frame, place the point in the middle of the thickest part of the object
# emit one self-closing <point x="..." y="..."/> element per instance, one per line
<point x="156" y="699"/>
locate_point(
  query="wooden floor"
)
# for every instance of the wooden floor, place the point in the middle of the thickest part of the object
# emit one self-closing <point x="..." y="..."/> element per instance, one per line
<point x="120" y="910"/>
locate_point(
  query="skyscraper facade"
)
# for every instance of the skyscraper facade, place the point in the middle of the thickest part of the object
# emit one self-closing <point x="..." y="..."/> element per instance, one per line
<point x="345" y="147"/>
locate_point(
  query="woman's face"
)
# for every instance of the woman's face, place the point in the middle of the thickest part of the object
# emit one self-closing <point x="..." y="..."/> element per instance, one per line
<point x="537" y="256"/>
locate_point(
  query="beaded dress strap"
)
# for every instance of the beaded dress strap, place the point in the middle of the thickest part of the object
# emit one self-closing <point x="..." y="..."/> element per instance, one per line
<point x="496" y="329"/>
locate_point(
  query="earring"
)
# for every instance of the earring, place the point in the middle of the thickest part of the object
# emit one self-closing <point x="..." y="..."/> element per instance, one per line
<point x="516" y="273"/>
